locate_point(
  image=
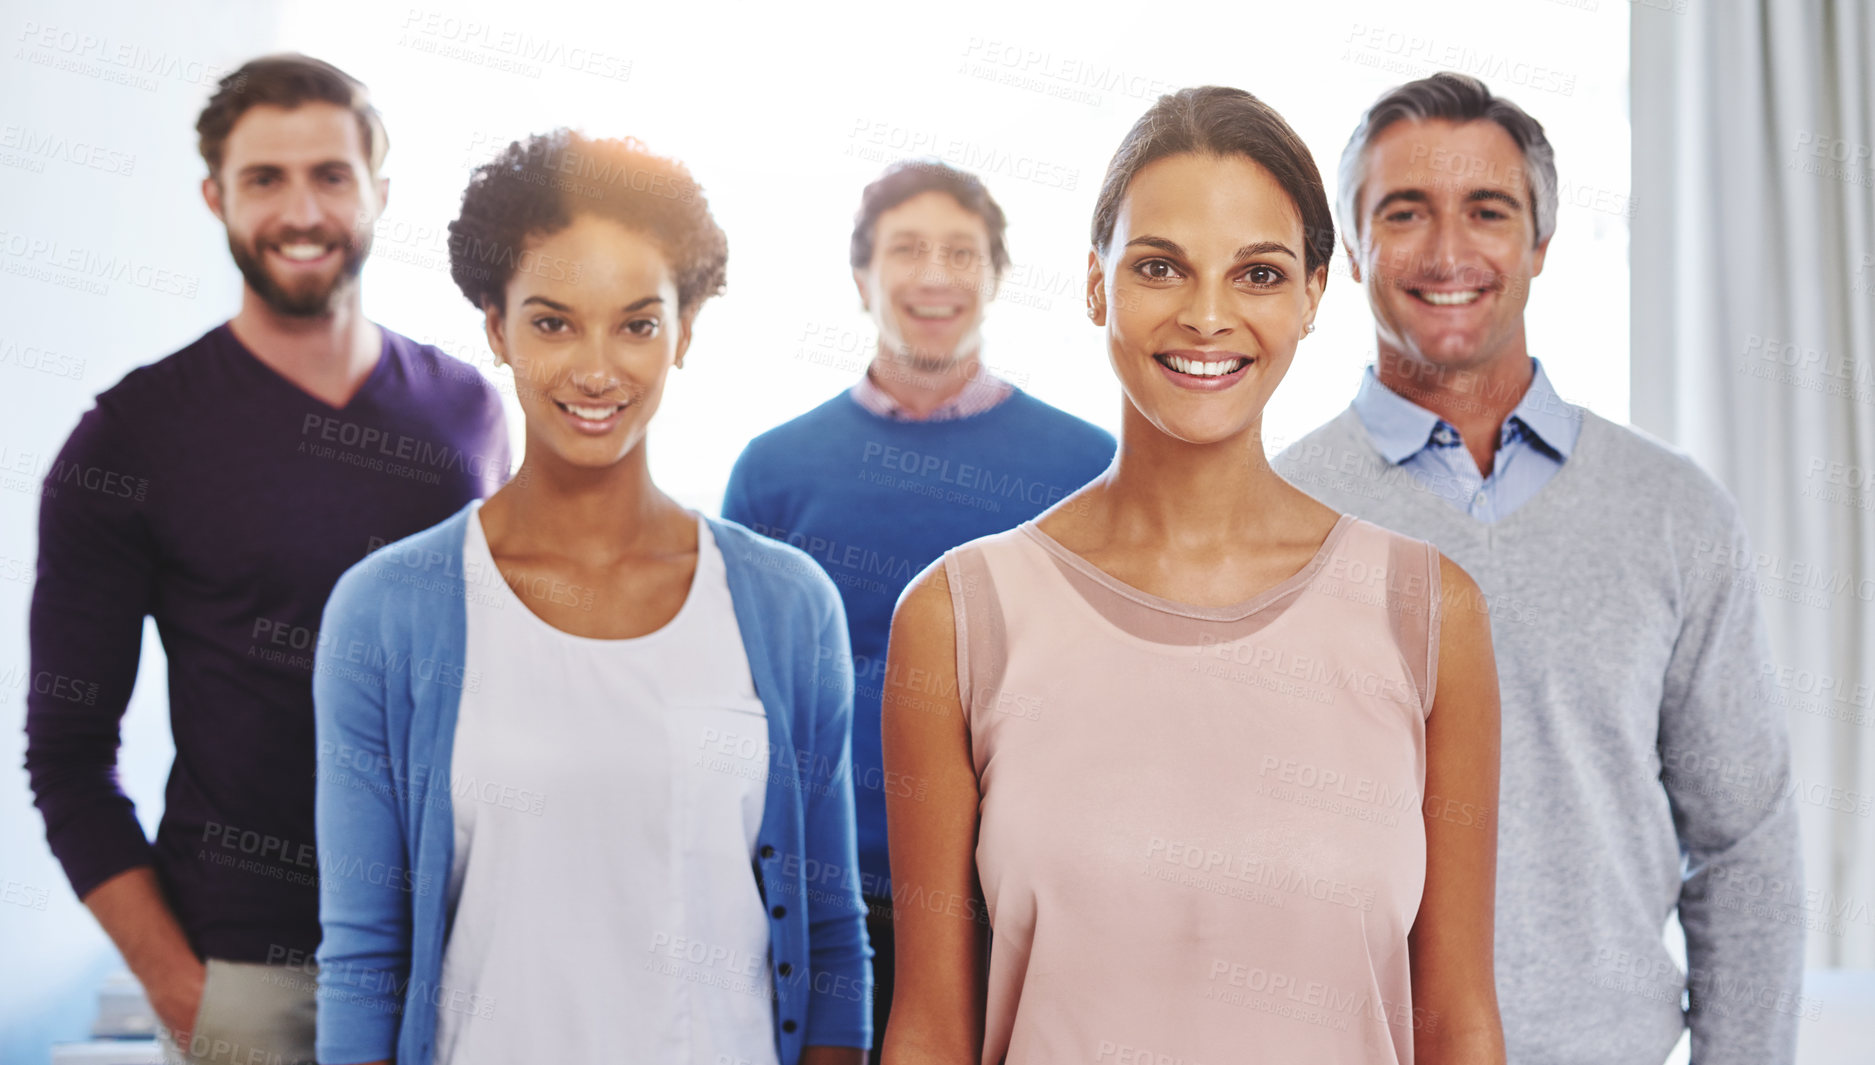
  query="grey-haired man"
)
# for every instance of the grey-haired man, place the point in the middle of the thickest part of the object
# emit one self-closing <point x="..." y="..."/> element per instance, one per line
<point x="1643" y="769"/>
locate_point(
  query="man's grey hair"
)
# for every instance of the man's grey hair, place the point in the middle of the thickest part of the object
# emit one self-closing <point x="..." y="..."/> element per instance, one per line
<point x="1455" y="98"/>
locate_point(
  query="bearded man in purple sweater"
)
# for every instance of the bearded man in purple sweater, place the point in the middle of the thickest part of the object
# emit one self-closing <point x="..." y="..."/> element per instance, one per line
<point x="222" y="491"/>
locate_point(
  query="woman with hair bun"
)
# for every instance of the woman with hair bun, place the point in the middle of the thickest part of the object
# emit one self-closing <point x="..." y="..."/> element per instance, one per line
<point x="1215" y="764"/>
<point x="583" y="773"/>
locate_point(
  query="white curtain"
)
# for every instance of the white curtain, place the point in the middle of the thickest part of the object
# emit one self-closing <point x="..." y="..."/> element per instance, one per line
<point x="1753" y="332"/>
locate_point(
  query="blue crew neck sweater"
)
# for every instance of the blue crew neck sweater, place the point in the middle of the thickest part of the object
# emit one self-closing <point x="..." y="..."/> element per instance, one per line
<point x="875" y="501"/>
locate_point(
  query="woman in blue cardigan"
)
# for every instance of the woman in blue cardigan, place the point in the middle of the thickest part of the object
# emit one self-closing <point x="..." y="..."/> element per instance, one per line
<point x="583" y="754"/>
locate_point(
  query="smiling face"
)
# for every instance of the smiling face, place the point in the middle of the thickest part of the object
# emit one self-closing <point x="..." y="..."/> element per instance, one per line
<point x="928" y="281"/>
<point x="296" y="192"/>
<point x="592" y="327"/>
<point x="1203" y="294"/>
<point x="1447" y="242"/>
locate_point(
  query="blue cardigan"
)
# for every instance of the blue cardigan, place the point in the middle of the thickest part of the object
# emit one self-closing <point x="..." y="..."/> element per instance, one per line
<point x="388" y="679"/>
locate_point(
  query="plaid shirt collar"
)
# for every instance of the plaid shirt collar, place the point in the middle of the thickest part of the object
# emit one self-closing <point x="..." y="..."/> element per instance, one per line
<point x="983" y="391"/>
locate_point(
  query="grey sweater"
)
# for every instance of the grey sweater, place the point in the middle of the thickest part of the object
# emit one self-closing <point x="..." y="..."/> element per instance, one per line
<point x="1644" y="767"/>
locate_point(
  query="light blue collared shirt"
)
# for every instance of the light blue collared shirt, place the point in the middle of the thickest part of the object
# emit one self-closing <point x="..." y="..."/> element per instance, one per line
<point x="1534" y="443"/>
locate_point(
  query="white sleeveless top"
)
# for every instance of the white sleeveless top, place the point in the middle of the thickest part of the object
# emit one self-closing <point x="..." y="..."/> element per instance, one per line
<point x="607" y="796"/>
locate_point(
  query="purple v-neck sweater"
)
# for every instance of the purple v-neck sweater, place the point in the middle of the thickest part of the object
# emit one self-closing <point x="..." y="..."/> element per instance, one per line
<point x="209" y="492"/>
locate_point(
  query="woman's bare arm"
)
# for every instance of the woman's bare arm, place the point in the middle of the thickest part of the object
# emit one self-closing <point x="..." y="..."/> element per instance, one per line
<point x="937" y="912"/>
<point x="1455" y="1019"/>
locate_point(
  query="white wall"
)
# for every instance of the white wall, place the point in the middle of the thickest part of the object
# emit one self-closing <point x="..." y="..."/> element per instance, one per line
<point x="97" y="159"/>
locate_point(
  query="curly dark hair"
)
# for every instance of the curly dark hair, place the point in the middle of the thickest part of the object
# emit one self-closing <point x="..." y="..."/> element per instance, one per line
<point x="536" y="187"/>
<point x="910" y="177"/>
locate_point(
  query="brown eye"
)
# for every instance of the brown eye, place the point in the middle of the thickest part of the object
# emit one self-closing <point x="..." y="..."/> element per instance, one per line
<point x="1156" y="270"/>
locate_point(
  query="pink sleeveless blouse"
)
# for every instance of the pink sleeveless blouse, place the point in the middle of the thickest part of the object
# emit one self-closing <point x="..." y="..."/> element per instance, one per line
<point x="1201" y="839"/>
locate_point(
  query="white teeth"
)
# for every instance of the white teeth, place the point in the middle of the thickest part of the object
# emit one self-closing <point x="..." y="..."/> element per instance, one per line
<point x="1449" y="299"/>
<point x="592" y="414"/>
<point x="302" y="252"/>
<point x="925" y="311"/>
<point x="1204" y="369"/>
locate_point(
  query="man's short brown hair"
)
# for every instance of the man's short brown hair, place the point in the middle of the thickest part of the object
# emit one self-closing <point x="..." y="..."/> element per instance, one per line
<point x="287" y="80"/>
<point x="911" y="177"/>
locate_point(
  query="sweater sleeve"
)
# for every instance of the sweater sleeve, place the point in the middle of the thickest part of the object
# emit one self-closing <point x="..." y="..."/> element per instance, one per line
<point x="96" y="572"/>
<point x="840" y="990"/>
<point x="1725" y="755"/>
<point x="364" y="957"/>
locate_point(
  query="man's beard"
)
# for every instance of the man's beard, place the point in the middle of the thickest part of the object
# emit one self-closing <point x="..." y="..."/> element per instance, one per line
<point x="314" y="299"/>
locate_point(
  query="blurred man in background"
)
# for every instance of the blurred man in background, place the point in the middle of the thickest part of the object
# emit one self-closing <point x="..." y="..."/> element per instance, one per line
<point x="926" y="451"/>
<point x="222" y="490"/>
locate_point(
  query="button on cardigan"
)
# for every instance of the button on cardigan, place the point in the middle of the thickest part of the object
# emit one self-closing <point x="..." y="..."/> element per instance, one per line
<point x="388" y="678"/>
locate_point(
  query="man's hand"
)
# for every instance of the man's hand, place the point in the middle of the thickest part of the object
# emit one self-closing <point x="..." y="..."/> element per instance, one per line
<point x="176" y="998"/>
<point x="138" y="919"/>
